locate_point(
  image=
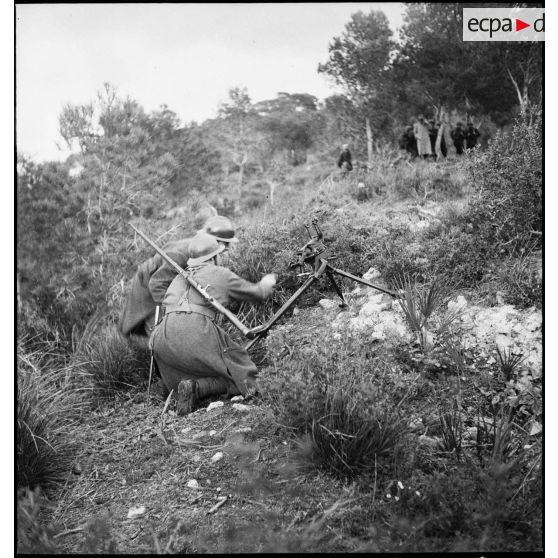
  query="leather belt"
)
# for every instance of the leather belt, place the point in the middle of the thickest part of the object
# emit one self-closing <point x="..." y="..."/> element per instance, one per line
<point x="188" y="308"/>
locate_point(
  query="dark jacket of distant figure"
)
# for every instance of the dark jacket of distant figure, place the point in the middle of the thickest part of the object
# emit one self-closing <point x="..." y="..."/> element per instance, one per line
<point x="471" y="137"/>
<point x="433" y="133"/>
<point x="346" y="158"/>
<point x="408" y="142"/>
<point x="148" y="288"/>
<point x="458" y="137"/>
<point x="188" y="344"/>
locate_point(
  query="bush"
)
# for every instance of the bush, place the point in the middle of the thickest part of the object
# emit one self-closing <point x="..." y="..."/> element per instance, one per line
<point x="110" y="363"/>
<point x="332" y="397"/>
<point x="508" y="180"/>
<point x="32" y="536"/>
<point x="46" y="410"/>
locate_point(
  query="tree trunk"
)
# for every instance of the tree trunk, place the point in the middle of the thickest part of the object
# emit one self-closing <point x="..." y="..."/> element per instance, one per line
<point x="369" y="142"/>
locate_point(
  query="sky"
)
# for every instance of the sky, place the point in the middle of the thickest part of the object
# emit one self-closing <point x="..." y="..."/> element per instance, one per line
<point x="186" y="56"/>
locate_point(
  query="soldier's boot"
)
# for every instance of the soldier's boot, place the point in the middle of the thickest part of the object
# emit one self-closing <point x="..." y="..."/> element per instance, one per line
<point x="187" y="397"/>
<point x="213" y="386"/>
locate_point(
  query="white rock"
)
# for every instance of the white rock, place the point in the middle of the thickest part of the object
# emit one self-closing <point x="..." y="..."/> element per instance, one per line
<point x="327" y="304"/>
<point x="212" y="432"/>
<point x="217" y="457"/>
<point x="135" y="512"/>
<point x="371" y="274"/>
<point x="241" y="407"/>
<point x="214" y="405"/>
<point x="243" y="430"/>
<point x="193" y="483"/>
<point x="457" y="305"/>
<point x="237" y="398"/>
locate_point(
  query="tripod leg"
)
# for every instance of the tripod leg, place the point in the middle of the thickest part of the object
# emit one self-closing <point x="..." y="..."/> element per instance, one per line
<point x="337" y="289"/>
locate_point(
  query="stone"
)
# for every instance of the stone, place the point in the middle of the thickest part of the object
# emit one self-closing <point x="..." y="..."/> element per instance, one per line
<point x="217" y="457"/>
<point x="193" y="483"/>
<point x="327" y="304"/>
<point x="214" y="405"/>
<point x="237" y="398"/>
<point x="241" y="407"/>
<point x="136" y="512"/>
<point x="371" y="274"/>
<point x="457" y="305"/>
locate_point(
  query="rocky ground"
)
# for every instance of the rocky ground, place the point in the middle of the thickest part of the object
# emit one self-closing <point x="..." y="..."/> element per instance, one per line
<point x="228" y="477"/>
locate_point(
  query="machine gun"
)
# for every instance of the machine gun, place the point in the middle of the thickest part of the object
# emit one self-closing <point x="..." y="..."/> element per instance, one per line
<point x="313" y="254"/>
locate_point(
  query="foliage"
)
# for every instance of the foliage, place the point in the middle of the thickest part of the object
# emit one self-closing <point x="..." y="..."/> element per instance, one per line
<point x="508" y="179"/>
<point x="332" y="397"/>
<point x="440" y="70"/>
<point x="110" y="364"/>
<point x="358" y="61"/>
<point x="33" y="537"/>
<point x="47" y="408"/>
<point x="419" y="305"/>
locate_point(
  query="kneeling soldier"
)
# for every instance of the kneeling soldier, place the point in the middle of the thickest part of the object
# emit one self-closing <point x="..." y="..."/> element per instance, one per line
<point x="197" y="358"/>
<point x="153" y="277"/>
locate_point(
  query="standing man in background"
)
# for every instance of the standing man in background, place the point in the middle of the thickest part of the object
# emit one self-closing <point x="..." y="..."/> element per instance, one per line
<point x="458" y="136"/>
<point x="472" y="135"/>
<point x="345" y="159"/>
<point x="423" y="137"/>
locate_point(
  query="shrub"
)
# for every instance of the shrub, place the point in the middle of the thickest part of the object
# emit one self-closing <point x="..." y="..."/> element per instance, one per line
<point x="508" y="180"/>
<point x="32" y="536"/>
<point x="110" y="363"/>
<point x="46" y="410"/>
<point x="332" y="397"/>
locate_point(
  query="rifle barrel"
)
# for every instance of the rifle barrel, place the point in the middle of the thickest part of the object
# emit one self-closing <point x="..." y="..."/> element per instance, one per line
<point x="215" y="303"/>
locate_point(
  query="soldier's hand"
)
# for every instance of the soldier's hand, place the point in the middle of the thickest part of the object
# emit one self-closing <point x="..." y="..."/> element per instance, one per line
<point x="268" y="283"/>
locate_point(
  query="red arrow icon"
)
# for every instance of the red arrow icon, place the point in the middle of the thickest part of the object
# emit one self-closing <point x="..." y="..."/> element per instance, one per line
<point x="519" y="25"/>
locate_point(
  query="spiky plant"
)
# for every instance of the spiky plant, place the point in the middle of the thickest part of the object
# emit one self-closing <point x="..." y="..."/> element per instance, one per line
<point x="509" y="361"/>
<point x="46" y="410"/>
<point x="110" y="364"/>
<point x="419" y="305"/>
<point x="451" y="426"/>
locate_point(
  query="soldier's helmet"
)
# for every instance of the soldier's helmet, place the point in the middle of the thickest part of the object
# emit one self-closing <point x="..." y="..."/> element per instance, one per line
<point x="202" y="248"/>
<point x="221" y="228"/>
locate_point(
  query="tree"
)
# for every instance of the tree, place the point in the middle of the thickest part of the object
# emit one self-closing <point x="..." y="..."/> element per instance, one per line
<point x="439" y="69"/>
<point x="359" y="62"/>
<point x="291" y="123"/>
<point x="236" y="117"/>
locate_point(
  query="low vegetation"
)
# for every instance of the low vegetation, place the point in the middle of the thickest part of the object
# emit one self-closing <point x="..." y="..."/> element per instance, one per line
<point x="416" y="443"/>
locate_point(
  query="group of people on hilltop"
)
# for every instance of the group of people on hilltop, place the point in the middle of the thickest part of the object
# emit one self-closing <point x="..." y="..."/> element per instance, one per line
<point x="427" y="138"/>
<point x="195" y="357"/>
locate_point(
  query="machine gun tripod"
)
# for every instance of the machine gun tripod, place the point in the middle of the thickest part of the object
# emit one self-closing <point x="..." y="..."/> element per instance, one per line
<point x="314" y="254"/>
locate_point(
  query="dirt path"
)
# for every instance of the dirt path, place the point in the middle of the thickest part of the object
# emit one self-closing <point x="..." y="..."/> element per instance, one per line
<point x="135" y="491"/>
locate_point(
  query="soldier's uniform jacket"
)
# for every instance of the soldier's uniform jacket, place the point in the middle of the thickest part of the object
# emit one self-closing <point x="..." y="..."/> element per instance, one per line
<point x="345" y="157"/>
<point x="149" y="286"/>
<point x="188" y="344"/>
